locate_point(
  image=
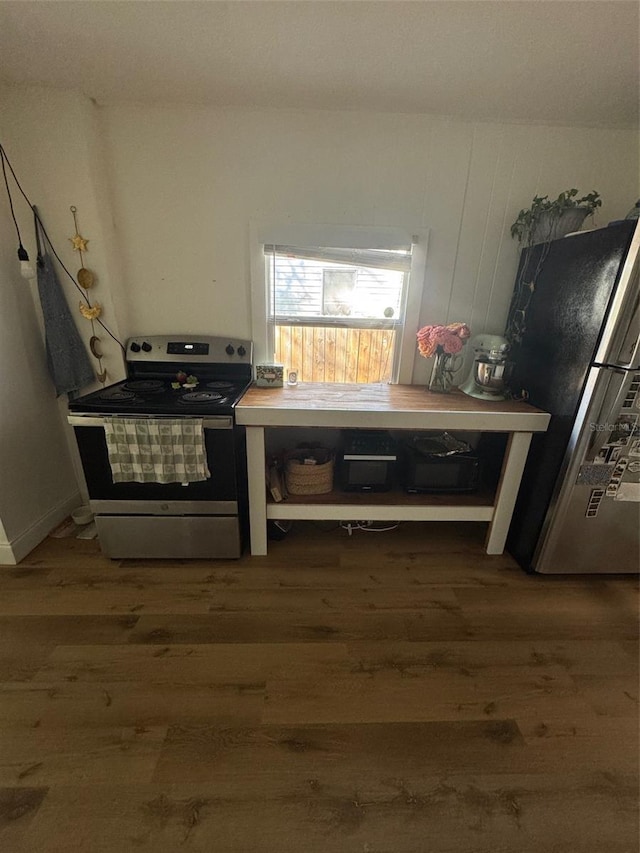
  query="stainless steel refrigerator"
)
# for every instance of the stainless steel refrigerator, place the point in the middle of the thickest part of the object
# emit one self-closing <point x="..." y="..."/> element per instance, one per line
<point x="575" y="322"/>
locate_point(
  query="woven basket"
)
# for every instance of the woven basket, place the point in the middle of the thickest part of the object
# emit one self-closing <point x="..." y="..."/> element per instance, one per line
<point x="309" y="479"/>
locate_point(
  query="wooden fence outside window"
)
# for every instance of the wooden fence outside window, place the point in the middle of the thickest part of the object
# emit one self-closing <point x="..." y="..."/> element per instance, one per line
<point x="335" y="354"/>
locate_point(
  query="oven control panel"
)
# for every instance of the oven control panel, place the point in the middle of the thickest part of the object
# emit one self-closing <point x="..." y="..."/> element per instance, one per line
<point x="197" y="348"/>
<point x="182" y="348"/>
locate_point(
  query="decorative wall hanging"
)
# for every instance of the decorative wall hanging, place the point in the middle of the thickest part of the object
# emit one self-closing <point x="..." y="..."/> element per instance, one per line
<point x="86" y="280"/>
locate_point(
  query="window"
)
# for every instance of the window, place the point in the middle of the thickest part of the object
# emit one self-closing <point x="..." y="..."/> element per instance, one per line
<point x="338" y="287"/>
<point x="337" y="313"/>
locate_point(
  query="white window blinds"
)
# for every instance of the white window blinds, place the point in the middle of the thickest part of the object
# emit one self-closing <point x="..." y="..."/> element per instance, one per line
<point x="361" y="288"/>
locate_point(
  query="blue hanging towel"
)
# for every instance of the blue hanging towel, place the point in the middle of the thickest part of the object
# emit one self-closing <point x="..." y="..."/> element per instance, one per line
<point x="67" y="357"/>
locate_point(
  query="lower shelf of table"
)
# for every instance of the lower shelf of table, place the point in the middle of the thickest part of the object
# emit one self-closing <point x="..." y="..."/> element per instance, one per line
<point x="385" y="506"/>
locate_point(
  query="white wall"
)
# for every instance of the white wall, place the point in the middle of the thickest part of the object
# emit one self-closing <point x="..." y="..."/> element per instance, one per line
<point x="51" y="141"/>
<point x="37" y="484"/>
<point x="187" y="182"/>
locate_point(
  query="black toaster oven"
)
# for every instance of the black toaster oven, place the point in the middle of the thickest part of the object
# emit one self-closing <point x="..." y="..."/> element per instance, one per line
<point x="367" y="461"/>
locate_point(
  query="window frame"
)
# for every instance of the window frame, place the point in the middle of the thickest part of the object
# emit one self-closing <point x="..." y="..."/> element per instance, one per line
<point x="348" y="237"/>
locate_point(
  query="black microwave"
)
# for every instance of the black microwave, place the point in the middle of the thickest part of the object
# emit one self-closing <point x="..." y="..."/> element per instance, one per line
<point x="367" y="462"/>
<point x="459" y="472"/>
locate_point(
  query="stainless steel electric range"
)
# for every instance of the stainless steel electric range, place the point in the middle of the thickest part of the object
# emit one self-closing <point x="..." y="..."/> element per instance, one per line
<point x="208" y="518"/>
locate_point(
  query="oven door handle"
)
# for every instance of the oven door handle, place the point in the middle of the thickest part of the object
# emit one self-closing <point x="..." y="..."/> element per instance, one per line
<point x="221" y="422"/>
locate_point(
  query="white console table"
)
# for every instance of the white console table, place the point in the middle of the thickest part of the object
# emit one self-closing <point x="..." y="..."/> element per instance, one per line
<point x="393" y="407"/>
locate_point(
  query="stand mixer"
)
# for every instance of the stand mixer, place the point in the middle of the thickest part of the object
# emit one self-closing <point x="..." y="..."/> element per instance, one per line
<point x="486" y="380"/>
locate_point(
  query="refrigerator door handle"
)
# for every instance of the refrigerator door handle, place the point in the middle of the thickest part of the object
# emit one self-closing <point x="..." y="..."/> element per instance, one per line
<point x="630" y="349"/>
<point x="620" y="342"/>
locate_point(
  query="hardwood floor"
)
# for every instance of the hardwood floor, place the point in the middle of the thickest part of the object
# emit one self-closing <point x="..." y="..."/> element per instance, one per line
<point x="396" y="692"/>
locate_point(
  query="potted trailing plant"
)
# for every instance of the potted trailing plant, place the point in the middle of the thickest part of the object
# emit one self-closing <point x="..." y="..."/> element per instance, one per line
<point x="549" y="219"/>
<point x="544" y="221"/>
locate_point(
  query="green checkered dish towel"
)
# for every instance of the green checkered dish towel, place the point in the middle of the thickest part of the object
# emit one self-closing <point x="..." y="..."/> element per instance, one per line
<point x="148" y="450"/>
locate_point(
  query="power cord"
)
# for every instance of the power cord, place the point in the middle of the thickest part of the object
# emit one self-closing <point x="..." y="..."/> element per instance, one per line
<point x="350" y="526"/>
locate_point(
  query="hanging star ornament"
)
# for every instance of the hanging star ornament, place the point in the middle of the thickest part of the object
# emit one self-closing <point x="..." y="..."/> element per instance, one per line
<point x="79" y="243"/>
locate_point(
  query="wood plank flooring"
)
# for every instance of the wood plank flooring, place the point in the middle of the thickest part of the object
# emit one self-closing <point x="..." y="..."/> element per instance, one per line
<point x="396" y="692"/>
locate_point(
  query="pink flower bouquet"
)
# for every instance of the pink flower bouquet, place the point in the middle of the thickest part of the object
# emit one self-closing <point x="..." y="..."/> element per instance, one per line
<point x="442" y="339"/>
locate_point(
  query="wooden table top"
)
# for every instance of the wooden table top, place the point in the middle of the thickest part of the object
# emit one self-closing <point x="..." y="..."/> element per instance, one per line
<point x="330" y="404"/>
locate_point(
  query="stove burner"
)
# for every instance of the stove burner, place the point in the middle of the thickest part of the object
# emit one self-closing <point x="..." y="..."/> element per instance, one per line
<point x="118" y="394"/>
<point x="220" y="385"/>
<point x="200" y="397"/>
<point x="144" y="385"/>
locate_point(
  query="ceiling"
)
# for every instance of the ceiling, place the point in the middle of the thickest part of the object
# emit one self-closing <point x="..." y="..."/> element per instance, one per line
<point x="551" y="61"/>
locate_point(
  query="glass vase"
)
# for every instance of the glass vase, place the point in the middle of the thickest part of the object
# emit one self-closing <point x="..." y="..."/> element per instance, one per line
<point x="444" y="368"/>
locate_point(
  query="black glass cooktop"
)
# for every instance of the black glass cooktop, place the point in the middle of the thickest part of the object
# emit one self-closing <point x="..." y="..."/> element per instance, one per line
<point x="157" y="397"/>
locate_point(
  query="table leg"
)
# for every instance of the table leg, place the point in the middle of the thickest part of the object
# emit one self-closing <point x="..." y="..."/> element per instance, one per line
<point x="512" y="468"/>
<point x="257" y="490"/>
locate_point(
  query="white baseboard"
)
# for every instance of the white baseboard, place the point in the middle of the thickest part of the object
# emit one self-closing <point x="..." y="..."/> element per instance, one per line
<point x="18" y="548"/>
<point x="6" y="556"/>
